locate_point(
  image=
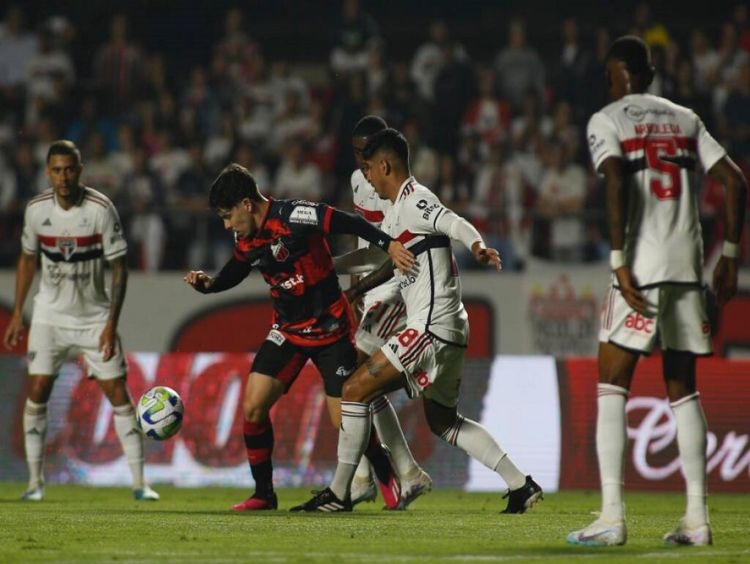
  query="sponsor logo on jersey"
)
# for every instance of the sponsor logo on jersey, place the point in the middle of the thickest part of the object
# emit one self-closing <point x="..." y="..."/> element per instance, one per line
<point x="279" y="250"/>
<point x="637" y="322"/>
<point x="636" y="113"/>
<point x="304" y="214"/>
<point x="290" y="283"/>
<point x="276" y="337"/>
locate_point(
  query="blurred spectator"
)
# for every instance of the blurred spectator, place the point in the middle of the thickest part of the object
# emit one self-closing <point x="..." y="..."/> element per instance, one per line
<point x="429" y="59"/>
<point x="529" y="131"/>
<point x="118" y="65"/>
<point x="735" y="117"/>
<point x="570" y="75"/>
<point x="122" y="157"/>
<point x="741" y="20"/>
<point x="170" y="160"/>
<point x="653" y="33"/>
<point x="686" y="93"/>
<point x="425" y="164"/>
<point x="189" y="229"/>
<point x="281" y="82"/>
<point x="198" y="103"/>
<point x="455" y="87"/>
<point x="705" y="61"/>
<point x="236" y="54"/>
<point x="377" y="73"/>
<point x="31" y="179"/>
<point x="731" y="59"/>
<point x="244" y="154"/>
<point x="597" y="94"/>
<point x="356" y="33"/>
<point x="566" y="131"/>
<point x="519" y="68"/>
<point x="321" y="139"/>
<point x="50" y="74"/>
<point x="255" y="121"/>
<point x="294" y="122"/>
<point x="89" y="120"/>
<point x="562" y="193"/>
<point x="296" y="178"/>
<point x="488" y="116"/>
<point x="17" y="48"/>
<point x="99" y="171"/>
<point x="9" y="200"/>
<point x="143" y="199"/>
<point x="219" y="144"/>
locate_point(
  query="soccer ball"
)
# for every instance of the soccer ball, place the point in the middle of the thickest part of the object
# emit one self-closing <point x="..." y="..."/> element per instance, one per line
<point x="160" y="413"/>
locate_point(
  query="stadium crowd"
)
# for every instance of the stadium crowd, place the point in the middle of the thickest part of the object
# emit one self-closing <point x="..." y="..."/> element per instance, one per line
<point x="500" y="139"/>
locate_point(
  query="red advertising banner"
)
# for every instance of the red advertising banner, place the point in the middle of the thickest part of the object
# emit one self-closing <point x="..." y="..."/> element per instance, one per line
<point x="651" y="460"/>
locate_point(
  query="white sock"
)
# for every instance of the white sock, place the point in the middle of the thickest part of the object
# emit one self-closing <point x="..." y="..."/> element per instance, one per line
<point x="363" y="469"/>
<point x="34" y="433"/>
<point x="611" y="438"/>
<point x="131" y="441"/>
<point x="481" y="446"/>
<point x="356" y="420"/>
<point x="691" y="440"/>
<point x="390" y="433"/>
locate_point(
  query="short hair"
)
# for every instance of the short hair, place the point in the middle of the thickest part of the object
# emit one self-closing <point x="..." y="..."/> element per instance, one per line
<point x="389" y="140"/>
<point x="64" y="147"/>
<point x="632" y="51"/>
<point x="369" y="125"/>
<point x="234" y="184"/>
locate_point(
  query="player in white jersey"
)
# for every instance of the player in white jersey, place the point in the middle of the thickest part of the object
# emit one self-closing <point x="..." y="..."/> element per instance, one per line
<point x="426" y="358"/>
<point x="650" y="151"/>
<point x="75" y="229"/>
<point x="383" y="315"/>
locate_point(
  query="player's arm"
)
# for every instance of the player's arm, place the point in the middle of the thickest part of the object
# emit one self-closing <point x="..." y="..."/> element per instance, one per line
<point x="456" y="227"/>
<point x="372" y="280"/>
<point x="358" y="261"/>
<point x="108" y="337"/>
<point x="725" y="273"/>
<point x="233" y="272"/>
<point x="337" y="221"/>
<point x="25" y="271"/>
<point x="615" y="185"/>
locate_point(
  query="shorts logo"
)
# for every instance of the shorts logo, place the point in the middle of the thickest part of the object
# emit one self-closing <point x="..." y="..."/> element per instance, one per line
<point x="279" y="250"/>
<point x="343" y="371"/>
<point x="276" y="337"/>
<point x="394" y="347"/>
<point x="67" y="246"/>
<point x="31" y="355"/>
<point x="639" y="323"/>
<point x="422" y="380"/>
<point x="304" y="214"/>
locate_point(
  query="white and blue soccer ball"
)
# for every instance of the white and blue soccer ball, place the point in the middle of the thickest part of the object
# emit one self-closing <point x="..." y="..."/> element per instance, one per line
<point x="160" y="412"/>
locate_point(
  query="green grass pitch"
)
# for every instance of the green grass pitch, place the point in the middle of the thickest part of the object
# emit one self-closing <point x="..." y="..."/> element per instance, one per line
<point x="75" y="524"/>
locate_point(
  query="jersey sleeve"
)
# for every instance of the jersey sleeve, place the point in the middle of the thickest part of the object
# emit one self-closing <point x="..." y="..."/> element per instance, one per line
<point x="421" y="212"/>
<point x="114" y="244"/>
<point x="709" y="150"/>
<point x="602" y="138"/>
<point x="29" y="239"/>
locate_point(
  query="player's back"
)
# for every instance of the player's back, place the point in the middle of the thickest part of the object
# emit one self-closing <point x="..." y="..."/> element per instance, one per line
<point x="663" y="146"/>
<point x="431" y="290"/>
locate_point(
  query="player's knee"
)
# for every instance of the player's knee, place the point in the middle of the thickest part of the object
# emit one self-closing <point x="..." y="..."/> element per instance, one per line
<point x="253" y="412"/>
<point x="439" y="425"/>
<point x="353" y="390"/>
<point x="40" y="390"/>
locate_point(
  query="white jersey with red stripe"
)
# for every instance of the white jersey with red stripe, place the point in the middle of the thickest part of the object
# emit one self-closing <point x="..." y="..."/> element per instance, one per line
<point x="432" y="289"/>
<point x="74" y="244"/>
<point x="662" y="145"/>
<point x="372" y="207"/>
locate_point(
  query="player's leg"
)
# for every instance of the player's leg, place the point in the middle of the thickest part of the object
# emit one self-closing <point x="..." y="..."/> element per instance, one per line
<point x="276" y="366"/>
<point x="376" y="377"/>
<point x="382" y="319"/>
<point x="685" y="333"/>
<point x="45" y="359"/>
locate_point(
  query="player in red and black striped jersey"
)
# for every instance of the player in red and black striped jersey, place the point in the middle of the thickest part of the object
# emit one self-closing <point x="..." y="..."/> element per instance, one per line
<point x="285" y="241"/>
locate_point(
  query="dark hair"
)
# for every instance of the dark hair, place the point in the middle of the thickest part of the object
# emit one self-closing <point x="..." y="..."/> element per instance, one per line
<point x="634" y="52"/>
<point x="234" y="184"/>
<point x="369" y="125"/>
<point x="64" y="147"/>
<point x="389" y="140"/>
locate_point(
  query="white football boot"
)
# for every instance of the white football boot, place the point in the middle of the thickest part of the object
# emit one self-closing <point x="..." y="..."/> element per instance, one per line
<point x="683" y="535"/>
<point x="412" y="489"/>
<point x="145" y="494"/>
<point x="600" y="533"/>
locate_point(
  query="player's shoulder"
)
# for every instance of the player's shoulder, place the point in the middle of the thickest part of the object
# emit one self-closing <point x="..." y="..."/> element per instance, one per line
<point x="41" y="201"/>
<point x="297" y="212"/>
<point x="414" y="191"/>
<point x="96" y="200"/>
<point x="357" y="178"/>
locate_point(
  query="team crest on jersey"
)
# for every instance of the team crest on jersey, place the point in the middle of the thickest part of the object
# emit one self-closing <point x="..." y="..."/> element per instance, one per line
<point x="67" y="246"/>
<point x="279" y="250"/>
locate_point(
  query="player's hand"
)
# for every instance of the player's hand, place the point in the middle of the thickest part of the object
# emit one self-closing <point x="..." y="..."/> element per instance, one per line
<point x="725" y="280"/>
<point x="108" y="341"/>
<point x="402" y="259"/>
<point x="484" y="255"/>
<point x="199" y="280"/>
<point x="14" y="331"/>
<point x="629" y="290"/>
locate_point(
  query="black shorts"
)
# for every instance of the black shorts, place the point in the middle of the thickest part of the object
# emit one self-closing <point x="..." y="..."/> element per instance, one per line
<point x="335" y="362"/>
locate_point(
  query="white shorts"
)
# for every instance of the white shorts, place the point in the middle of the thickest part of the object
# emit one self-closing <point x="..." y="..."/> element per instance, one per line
<point x="50" y="346"/>
<point x="432" y="367"/>
<point x="381" y="319"/>
<point x="678" y="315"/>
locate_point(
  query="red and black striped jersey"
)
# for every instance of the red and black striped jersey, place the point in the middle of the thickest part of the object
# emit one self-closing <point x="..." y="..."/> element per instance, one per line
<point x="291" y="252"/>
